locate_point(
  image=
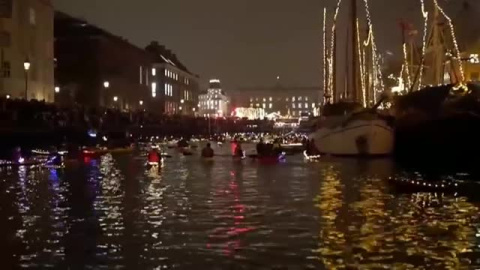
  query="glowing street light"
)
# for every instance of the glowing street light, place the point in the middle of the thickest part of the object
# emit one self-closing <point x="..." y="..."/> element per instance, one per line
<point x="140" y="102"/>
<point x="26" y="67"/>
<point x="182" y="101"/>
<point x="57" y="89"/>
<point x="106" y="84"/>
<point x="8" y="96"/>
<point x="115" y="98"/>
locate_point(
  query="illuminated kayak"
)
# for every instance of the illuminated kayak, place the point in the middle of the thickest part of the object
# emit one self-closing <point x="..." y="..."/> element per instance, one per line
<point x="8" y="163"/>
<point x="94" y="152"/>
<point x="311" y="157"/>
<point x="269" y="159"/>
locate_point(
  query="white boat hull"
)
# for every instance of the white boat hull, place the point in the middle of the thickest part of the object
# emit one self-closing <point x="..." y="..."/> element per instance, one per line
<point x="357" y="137"/>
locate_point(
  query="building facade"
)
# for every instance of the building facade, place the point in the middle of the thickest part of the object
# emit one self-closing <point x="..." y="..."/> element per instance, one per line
<point x="95" y="68"/>
<point x="26" y="49"/>
<point x="286" y="101"/>
<point x="214" y="102"/>
<point x="173" y="85"/>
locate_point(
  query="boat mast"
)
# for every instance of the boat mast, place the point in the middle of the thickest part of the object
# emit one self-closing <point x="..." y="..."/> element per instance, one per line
<point x="354" y="26"/>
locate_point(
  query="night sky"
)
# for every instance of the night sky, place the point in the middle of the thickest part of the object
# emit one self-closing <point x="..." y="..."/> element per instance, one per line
<point x="243" y="42"/>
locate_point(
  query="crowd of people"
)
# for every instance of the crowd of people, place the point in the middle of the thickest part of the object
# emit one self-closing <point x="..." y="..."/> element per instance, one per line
<point x="18" y="114"/>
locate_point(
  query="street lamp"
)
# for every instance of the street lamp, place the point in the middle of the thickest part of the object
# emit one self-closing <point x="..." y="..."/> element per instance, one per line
<point x="115" y="98"/>
<point x="182" y="101"/>
<point x="106" y="84"/>
<point x="8" y="96"/>
<point x="140" y="102"/>
<point x="26" y="67"/>
<point x="57" y="89"/>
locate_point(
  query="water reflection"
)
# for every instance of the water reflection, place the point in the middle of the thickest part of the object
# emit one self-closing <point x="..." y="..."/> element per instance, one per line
<point x="337" y="213"/>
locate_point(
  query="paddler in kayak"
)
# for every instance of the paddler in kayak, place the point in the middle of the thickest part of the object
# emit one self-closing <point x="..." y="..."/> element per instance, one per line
<point x="207" y="152"/>
<point x="238" y="152"/>
<point x="154" y="156"/>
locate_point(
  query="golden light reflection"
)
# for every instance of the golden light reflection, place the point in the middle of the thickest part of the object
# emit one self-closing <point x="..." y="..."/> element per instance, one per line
<point x="365" y="226"/>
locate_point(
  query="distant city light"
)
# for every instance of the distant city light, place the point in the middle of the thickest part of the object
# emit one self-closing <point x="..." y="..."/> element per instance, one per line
<point x="57" y="89"/>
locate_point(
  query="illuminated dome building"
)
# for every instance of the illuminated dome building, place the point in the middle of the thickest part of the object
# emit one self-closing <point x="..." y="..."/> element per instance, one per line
<point x="213" y="103"/>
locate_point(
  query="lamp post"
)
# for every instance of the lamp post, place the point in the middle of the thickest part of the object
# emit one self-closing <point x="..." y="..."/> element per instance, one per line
<point x="26" y="67"/>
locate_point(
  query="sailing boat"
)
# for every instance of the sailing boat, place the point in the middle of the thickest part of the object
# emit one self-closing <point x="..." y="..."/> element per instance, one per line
<point x="351" y="125"/>
<point x="439" y="122"/>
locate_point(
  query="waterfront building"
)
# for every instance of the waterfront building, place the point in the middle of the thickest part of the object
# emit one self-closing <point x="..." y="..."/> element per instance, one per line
<point x="173" y="85"/>
<point x="96" y="68"/>
<point x="26" y="49"/>
<point x="214" y="102"/>
<point x="287" y="101"/>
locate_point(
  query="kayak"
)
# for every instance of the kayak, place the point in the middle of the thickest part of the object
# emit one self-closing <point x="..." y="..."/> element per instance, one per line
<point x="186" y="151"/>
<point x="7" y="163"/>
<point x="311" y="158"/>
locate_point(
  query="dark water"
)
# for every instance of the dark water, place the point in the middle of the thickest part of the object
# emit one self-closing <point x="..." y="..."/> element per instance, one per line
<point x="112" y="213"/>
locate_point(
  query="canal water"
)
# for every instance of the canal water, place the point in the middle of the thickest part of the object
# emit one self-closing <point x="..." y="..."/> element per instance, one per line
<point x="192" y="214"/>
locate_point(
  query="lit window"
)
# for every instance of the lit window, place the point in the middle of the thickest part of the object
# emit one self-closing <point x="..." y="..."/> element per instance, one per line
<point x="166" y="72"/>
<point x="287" y="99"/>
<point x="264" y="105"/>
<point x="293" y="105"/>
<point x="299" y="98"/>
<point x="299" y="105"/>
<point x="141" y="75"/>
<point x="293" y="113"/>
<point x="306" y="98"/>
<point x="154" y="71"/>
<point x="251" y="105"/>
<point x="293" y="99"/>
<point x="256" y="99"/>
<point x="154" y="89"/>
<point x="251" y="99"/>
<point x="257" y="105"/>
<point x="313" y="105"/>
<point x="166" y="89"/>
<point x="270" y="105"/>
<point x="33" y="19"/>
<point x="264" y="99"/>
<point x="270" y="98"/>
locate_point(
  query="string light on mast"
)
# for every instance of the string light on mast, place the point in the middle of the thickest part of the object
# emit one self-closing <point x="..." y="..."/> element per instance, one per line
<point x="424" y="41"/>
<point x="332" y="47"/>
<point x="378" y="76"/>
<point x="455" y="44"/>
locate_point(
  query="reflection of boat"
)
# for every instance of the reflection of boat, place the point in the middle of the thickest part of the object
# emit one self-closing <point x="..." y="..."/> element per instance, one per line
<point x="346" y="127"/>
